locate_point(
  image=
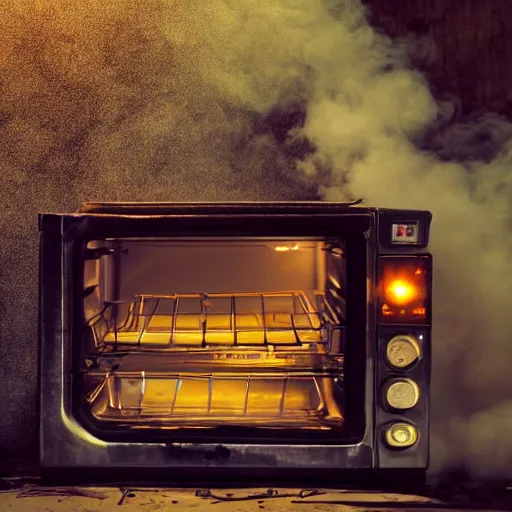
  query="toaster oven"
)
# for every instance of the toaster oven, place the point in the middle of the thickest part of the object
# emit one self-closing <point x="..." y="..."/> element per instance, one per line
<point x="234" y="339"/>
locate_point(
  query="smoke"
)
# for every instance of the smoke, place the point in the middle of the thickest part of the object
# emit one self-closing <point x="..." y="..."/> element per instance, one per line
<point x="268" y="99"/>
<point x="365" y="131"/>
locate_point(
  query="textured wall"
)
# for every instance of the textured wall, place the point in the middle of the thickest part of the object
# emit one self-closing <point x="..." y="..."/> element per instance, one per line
<point x="462" y="44"/>
<point x="473" y="46"/>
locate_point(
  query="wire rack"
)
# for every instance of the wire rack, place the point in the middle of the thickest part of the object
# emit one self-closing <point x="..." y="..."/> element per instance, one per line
<point x="233" y="398"/>
<point x="206" y="320"/>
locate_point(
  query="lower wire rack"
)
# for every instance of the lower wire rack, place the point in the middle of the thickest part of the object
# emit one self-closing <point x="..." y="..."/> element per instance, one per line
<point x="302" y="399"/>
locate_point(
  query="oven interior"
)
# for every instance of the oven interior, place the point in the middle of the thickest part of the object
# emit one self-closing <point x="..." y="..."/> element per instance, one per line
<point x="213" y="333"/>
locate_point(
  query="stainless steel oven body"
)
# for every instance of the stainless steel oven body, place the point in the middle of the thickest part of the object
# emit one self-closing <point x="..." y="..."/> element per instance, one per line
<point x="254" y="375"/>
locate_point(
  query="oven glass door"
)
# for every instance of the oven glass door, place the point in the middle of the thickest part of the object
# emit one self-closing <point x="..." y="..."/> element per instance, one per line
<point x="205" y="333"/>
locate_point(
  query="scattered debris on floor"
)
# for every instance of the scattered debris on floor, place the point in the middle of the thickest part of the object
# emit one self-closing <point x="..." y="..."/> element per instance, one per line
<point x="26" y="495"/>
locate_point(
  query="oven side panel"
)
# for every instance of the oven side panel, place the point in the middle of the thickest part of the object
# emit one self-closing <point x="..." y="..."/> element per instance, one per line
<point x="51" y="337"/>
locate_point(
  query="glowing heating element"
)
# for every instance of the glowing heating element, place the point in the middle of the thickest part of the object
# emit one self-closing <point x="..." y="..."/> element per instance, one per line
<point x="286" y="248"/>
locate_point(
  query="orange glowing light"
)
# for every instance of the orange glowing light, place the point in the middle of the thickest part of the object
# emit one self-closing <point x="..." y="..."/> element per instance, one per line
<point x="400" y="292"/>
<point x="403" y="289"/>
<point x="286" y="248"/>
<point x="386" y="310"/>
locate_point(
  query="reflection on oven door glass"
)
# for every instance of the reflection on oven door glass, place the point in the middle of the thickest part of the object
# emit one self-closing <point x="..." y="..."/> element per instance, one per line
<point x="262" y="346"/>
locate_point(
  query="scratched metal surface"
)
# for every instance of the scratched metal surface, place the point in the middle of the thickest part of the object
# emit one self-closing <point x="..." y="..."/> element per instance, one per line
<point x="31" y="497"/>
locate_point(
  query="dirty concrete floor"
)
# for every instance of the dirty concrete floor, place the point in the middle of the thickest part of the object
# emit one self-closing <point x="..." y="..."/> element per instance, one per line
<point x="33" y="498"/>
